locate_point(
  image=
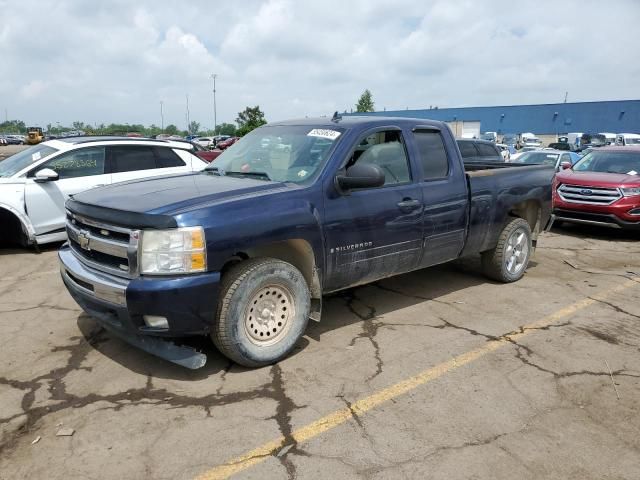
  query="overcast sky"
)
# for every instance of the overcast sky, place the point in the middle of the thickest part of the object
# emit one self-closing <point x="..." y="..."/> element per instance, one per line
<point x="114" y="61"/>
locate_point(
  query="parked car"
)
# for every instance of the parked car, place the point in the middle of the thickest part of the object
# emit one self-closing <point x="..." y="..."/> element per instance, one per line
<point x="504" y="151"/>
<point x="14" y="140"/>
<point x="3" y="141"/>
<point x="511" y="140"/>
<point x="244" y="250"/>
<point x="522" y="151"/>
<point x="35" y="183"/>
<point x="624" y="139"/>
<point x="609" y="137"/>
<point x="219" y="138"/>
<point x="528" y="139"/>
<point x="490" y="136"/>
<point x="227" y="143"/>
<point x="201" y="152"/>
<point x="479" y="151"/>
<point x="603" y="188"/>
<point x="205" y="142"/>
<point x="548" y="157"/>
<point x="592" y="140"/>
<point x="562" y="146"/>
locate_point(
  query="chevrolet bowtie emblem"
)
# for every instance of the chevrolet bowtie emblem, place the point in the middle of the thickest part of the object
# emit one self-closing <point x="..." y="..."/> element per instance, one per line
<point x="84" y="240"/>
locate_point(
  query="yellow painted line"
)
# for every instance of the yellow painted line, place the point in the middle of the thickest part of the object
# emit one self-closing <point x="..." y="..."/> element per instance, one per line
<point x="370" y="402"/>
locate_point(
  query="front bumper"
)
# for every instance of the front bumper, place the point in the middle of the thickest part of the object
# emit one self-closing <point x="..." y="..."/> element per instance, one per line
<point x="118" y="304"/>
<point x="609" y="220"/>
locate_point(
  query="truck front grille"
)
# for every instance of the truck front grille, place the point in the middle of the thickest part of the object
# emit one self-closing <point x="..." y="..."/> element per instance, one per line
<point x="103" y="247"/>
<point x="589" y="195"/>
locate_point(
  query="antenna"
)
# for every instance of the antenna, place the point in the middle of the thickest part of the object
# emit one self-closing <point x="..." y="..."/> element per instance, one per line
<point x="566" y="94"/>
<point x="336" y="117"/>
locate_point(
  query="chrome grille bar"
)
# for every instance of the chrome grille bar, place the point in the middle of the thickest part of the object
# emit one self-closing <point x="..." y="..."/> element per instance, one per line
<point x="589" y="195"/>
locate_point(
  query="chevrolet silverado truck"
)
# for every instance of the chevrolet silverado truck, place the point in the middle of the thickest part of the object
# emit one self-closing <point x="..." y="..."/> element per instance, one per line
<point x="602" y="189"/>
<point x="244" y="250"/>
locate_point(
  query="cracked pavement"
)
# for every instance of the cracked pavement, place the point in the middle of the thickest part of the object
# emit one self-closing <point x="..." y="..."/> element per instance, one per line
<point x="543" y="406"/>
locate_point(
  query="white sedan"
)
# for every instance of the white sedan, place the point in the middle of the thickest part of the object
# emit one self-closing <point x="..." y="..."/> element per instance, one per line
<point x="35" y="183"/>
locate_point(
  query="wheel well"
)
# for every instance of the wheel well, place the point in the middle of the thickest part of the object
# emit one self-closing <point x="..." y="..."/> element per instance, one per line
<point x="530" y="211"/>
<point x="12" y="232"/>
<point x="298" y="253"/>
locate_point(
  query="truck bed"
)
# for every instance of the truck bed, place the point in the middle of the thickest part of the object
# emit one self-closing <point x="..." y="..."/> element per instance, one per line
<point x="496" y="190"/>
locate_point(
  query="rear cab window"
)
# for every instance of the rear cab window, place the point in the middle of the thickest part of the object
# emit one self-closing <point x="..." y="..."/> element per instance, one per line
<point x="487" y="150"/>
<point x="432" y="154"/>
<point x="467" y="149"/>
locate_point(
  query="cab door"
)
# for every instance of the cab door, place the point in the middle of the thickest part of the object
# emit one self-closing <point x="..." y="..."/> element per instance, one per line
<point x="444" y="189"/>
<point x="78" y="170"/>
<point x="372" y="233"/>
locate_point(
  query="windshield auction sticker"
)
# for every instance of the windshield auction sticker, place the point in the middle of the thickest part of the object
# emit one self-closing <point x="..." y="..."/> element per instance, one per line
<point x="323" y="133"/>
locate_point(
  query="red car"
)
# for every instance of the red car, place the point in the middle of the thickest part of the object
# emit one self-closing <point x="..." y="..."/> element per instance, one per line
<point x="227" y="143"/>
<point x="603" y="188"/>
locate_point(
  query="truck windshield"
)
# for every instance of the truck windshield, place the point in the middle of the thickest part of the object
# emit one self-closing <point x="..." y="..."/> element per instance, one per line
<point x="509" y="139"/>
<point x="610" y="162"/>
<point x="22" y="160"/>
<point x="281" y="153"/>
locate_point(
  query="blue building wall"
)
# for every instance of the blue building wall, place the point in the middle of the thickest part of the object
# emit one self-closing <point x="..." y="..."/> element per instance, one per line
<point x="622" y="116"/>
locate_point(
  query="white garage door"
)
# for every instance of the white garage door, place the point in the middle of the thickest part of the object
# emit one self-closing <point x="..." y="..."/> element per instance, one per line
<point x="470" y="129"/>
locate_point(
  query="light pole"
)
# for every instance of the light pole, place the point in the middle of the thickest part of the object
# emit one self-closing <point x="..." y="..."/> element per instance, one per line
<point x="161" y="118"/>
<point x="215" y="117"/>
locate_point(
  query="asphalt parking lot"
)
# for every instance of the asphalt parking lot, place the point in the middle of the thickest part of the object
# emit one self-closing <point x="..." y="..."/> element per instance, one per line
<point x="434" y="374"/>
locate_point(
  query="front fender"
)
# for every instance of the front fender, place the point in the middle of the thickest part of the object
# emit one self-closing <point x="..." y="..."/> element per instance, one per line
<point x="27" y="227"/>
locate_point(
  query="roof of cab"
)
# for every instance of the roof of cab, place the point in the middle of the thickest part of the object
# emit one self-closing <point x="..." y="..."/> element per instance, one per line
<point x="354" y="121"/>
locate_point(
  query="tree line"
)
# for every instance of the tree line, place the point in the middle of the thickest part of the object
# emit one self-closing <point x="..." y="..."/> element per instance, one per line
<point x="247" y="120"/>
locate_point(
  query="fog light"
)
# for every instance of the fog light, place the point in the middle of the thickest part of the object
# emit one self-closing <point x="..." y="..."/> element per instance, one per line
<point x="635" y="211"/>
<point x="155" y="321"/>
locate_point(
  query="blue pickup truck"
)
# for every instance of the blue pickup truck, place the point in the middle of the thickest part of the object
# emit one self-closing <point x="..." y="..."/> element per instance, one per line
<point x="244" y="250"/>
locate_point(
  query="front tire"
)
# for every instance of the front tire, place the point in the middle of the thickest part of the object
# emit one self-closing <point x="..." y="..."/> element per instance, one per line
<point x="508" y="261"/>
<point x="262" y="312"/>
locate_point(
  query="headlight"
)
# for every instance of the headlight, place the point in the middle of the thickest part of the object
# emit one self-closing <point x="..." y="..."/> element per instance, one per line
<point x="630" y="192"/>
<point x="179" y="250"/>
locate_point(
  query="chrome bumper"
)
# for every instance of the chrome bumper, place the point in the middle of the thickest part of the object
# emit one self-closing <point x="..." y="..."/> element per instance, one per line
<point x="90" y="282"/>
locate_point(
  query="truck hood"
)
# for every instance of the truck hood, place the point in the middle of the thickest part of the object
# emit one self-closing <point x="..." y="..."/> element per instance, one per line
<point x="598" y="179"/>
<point x="173" y="194"/>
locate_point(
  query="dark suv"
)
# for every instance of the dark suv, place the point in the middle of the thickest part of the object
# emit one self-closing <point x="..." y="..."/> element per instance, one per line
<point x="479" y="151"/>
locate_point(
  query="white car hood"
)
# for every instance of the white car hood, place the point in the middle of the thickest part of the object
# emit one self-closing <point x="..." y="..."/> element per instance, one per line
<point x="13" y="181"/>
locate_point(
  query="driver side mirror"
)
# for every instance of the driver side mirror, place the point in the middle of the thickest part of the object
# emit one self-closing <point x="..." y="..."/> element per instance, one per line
<point x="45" y="175"/>
<point x="565" y="165"/>
<point x="361" y="175"/>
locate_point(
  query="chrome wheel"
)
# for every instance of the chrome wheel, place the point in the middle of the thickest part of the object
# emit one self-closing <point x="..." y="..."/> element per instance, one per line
<point x="268" y="314"/>
<point x="517" y="251"/>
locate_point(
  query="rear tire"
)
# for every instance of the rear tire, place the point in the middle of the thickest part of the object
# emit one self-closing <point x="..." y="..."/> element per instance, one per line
<point x="263" y="311"/>
<point x="508" y="261"/>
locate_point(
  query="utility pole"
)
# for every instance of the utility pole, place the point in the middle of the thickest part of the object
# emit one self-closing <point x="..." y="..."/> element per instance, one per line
<point x="161" y="118"/>
<point x="215" y="116"/>
<point x="188" y="119"/>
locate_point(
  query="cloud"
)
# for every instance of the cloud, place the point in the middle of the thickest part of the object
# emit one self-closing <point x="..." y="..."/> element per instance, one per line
<point x="116" y="62"/>
<point x="33" y="89"/>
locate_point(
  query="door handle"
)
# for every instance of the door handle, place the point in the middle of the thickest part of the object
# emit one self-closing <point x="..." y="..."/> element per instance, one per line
<point x="409" y="204"/>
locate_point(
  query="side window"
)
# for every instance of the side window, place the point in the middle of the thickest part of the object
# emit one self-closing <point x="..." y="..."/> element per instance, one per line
<point x="84" y="162"/>
<point x="132" y="158"/>
<point x="166" y="158"/>
<point x="433" y="155"/>
<point x="486" y="150"/>
<point x="386" y="150"/>
<point x="467" y="149"/>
